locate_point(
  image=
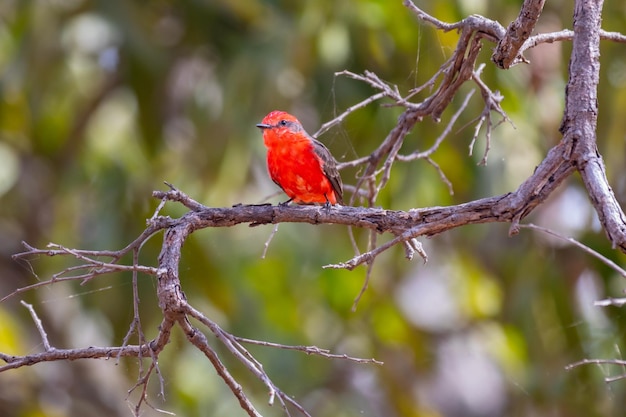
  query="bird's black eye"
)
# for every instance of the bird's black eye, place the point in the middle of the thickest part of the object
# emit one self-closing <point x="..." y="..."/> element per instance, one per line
<point x="282" y="123"/>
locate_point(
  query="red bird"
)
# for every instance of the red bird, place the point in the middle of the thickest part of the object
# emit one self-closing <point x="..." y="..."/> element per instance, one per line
<point x="302" y="166"/>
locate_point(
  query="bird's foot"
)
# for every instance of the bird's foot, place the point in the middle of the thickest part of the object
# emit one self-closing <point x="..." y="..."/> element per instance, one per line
<point x="327" y="206"/>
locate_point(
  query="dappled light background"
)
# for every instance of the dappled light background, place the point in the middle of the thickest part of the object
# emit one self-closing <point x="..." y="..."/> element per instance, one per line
<point x="102" y="101"/>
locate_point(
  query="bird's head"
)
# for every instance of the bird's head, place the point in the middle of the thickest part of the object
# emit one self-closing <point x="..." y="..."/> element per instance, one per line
<point x="280" y="122"/>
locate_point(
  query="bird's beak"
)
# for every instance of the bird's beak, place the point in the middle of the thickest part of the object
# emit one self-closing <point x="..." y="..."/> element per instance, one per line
<point x="263" y="126"/>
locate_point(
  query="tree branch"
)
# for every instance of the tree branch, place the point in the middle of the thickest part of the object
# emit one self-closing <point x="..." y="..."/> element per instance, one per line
<point x="54" y="354"/>
<point x="581" y="117"/>
<point x="507" y="52"/>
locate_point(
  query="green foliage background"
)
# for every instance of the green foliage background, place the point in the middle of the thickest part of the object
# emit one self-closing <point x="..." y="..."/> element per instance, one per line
<point x="101" y="101"/>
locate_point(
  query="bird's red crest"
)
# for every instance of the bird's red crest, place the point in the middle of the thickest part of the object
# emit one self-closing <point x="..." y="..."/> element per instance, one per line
<point x="276" y="116"/>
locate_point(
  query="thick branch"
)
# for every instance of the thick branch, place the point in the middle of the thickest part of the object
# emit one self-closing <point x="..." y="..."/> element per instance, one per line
<point x="581" y="117"/>
<point x="433" y="220"/>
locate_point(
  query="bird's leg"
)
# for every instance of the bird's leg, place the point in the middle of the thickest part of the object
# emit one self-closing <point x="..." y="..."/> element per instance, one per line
<point x="327" y="204"/>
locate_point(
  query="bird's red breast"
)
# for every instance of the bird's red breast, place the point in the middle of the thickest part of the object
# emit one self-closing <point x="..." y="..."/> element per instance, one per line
<point x="302" y="166"/>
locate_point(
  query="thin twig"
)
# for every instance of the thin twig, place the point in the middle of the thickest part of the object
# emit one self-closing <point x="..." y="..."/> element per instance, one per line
<point x="567" y="35"/>
<point x="269" y="240"/>
<point x="39" y="325"/>
<point x="309" y="350"/>
<point x="617" y="302"/>
<point x="339" y="119"/>
<point x="364" y="286"/>
<point x="576" y="243"/>
<point x="442" y="175"/>
<point x="617" y="362"/>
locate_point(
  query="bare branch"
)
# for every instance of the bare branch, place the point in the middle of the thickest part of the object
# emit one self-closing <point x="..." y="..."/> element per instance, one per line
<point x="269" y="240"/>
<point x="366" y="282"/>
<point x="39" y="325"/>
<point x="477" y="23"/>
<point x="454" y="73"/>
<point x="492" y="103"/>
<point x="429" y="221"/>
<point x="617" y="362"/>
<point x="182" y="198"/>
<point x="576" y="243"/>
<point x="13" y="362"/>
<point x="337" y="120"/>
<point x="581" y="117"/>
<point x="238" y="351"/>
<point x="612" y="36"/>
<point x="442" y="175"/>
<point x="309" y="350"/>
<point x="617" y="302"/>
<point x="567" y="35"/>
<point x="94" y="266"/>
<point x="507" y="53"/>
<point x="199" y="340"/>
<point x="369" y="256"/>
<point x="50" y="282"/>
<point x="144" y="379"/>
